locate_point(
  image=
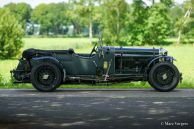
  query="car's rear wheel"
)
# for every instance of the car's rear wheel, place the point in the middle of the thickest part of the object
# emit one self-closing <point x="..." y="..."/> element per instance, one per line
<point x="164" y="76"/>
<point x="46" y="77"/>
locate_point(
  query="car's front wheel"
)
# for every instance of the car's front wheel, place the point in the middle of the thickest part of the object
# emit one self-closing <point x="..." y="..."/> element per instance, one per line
<point x="164" y="76"/>
<point x="46" y="77"/>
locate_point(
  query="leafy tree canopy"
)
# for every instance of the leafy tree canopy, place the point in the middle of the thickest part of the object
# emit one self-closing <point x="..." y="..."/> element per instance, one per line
<point x="113" y="21"/>
<point x="158" y="24"/>
<point x="21" y="11"/>
<point x="11" y="34"/>
<point x="51" y="17"/>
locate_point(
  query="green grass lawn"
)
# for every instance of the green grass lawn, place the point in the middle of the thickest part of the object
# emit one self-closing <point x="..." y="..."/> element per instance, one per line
<point x="183" y="53"/>
<point x="80" y="44"/>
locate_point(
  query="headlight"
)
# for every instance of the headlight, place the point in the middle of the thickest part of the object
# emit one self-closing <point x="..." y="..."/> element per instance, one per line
<point x="163" y="51"/>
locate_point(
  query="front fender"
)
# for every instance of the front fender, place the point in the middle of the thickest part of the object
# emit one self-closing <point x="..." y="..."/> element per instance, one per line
<point x="162" y="58"/>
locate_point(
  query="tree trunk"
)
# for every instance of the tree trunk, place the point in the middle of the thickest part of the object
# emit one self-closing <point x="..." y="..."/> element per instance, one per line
<point x="179" y="37"/>
<point x="90" y="30"/>
<point x="153" y="2"/>
<point x="184" y="21"/>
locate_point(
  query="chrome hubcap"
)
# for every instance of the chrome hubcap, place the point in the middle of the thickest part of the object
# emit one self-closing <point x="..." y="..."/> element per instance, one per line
<point x="45" y="76"/>
<point x="164" y="76"/>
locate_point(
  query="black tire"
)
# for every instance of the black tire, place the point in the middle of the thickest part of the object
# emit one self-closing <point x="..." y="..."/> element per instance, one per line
<point x="164" y="76"/>
<point x="46" y="77"/>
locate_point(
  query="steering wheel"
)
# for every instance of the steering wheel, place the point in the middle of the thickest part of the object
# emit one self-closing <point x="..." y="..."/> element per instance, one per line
<point x="93" y="49"/>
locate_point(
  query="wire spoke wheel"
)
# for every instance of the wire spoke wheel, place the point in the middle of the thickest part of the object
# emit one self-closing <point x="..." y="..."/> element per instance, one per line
<point x="164" y="76"/>
<point x="46" y="76"/>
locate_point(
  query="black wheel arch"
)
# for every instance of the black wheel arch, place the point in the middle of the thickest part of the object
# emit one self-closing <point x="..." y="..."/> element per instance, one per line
<point x="157" y="60"/>
<point x="37" y="60"/>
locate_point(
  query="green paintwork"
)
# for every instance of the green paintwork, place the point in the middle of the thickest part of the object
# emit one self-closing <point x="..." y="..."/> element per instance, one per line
<point x="106" y="64"/>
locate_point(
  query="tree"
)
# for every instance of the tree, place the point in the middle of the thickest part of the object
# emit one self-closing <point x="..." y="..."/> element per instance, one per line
<point x="190" y="23"/>
<point x="185" y="26"/>
<point x="113" y="21"/>
<point x="176" y="13"/>
<point x="51" y="17"/>
<point x="149" y="24"/>
<point x="158" y="25"/>
<point x="21" y="11"/>
<point x="137" y="23"/>
<point x="40" y="15"/>
<point x="11" y="34"/>
<point x="85" y="10"/>
<point x="73" y="17"/>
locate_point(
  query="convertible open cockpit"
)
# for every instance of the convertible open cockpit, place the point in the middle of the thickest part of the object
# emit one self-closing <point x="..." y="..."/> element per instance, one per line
<point x="48" y="69"/>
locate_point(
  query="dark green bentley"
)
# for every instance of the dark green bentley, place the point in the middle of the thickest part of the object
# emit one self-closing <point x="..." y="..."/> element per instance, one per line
<point x="47" y="69"/>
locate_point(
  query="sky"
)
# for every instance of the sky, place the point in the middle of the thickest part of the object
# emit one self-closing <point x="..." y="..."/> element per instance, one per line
<point x="34" y="3"/>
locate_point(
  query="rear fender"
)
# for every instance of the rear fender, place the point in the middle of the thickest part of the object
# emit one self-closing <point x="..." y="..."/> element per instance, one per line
<point x="37" y="60"/>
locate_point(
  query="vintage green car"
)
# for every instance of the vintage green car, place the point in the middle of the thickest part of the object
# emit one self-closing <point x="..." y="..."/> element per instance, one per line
<point x="48" y="69"/>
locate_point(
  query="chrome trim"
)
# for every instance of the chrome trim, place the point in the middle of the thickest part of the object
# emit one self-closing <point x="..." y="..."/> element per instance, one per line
<point x="162" y="51"/>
